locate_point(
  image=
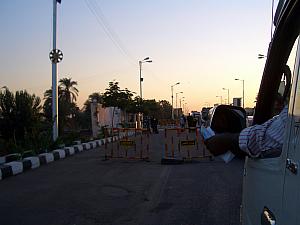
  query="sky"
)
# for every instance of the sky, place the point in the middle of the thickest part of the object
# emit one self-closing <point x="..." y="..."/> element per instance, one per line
<point x="204" y="45"/>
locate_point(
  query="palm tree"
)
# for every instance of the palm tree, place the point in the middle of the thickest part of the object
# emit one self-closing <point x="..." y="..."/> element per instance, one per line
<point x="68" y="90"/>
<point x="67" y="108"/>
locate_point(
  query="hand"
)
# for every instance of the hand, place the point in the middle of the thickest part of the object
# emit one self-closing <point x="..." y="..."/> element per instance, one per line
<point x="221" y="143"/>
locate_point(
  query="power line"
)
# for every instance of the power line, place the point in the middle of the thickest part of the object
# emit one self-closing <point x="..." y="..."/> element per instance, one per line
<point x="97" y="12"/>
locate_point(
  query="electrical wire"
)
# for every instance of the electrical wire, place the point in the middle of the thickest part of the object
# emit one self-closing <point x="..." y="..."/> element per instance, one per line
<point x="97" y="12"/>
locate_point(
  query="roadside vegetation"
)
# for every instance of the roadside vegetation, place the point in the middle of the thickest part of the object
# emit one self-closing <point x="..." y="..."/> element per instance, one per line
<point x="26" y="119"/>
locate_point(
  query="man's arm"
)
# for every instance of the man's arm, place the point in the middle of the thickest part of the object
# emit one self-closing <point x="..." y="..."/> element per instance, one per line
<point x="267" y="136"/>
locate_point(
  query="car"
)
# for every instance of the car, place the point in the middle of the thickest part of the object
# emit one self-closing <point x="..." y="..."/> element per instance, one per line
<point x="271" y="193"/>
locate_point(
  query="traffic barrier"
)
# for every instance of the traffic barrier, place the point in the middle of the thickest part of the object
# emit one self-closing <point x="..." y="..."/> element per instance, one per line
<point x="59" y="154"/>
<point x="46" y="158"/>
<point x="130" y="144"/>
<point x="182" y="144"/>
<point x="69" y="151"/>
<point x="34" y="161"/>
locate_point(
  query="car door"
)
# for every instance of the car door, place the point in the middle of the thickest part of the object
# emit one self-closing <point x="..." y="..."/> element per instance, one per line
<point x="264" y="178"/>
<point x="291" y="195"/>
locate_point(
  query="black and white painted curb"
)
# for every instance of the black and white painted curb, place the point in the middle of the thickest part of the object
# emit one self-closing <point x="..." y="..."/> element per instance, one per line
<point x="9" y="168"/>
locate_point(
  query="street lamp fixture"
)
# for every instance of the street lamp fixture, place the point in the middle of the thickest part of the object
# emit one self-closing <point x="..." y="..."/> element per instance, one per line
<point x="261" y="56"/>
<point x="243" y="90"/>
<point x="145" y="60"/>
<point x="172" y="98"/>
<point x="227" y="89"/>
<point x="220" y="96"/>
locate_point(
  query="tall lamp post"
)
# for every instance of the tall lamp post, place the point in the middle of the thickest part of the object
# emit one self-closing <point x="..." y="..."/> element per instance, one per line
<point x="184" y="107"/>
<point x="55" y="56"/>
<point x="243" y="91"/>
<point x="227" y="89"/>
<point x="181" y="100"/>
<point x="145" y="60"/>
<point x="176" y="101"/>
<point x="172" y="86"/>
<point x="220" y="98"/>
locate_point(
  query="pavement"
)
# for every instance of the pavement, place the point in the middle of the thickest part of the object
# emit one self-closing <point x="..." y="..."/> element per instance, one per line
<point x="86" y="189"/>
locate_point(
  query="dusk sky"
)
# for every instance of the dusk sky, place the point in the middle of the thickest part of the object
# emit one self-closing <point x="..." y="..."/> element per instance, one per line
<point x="204" y="45"/>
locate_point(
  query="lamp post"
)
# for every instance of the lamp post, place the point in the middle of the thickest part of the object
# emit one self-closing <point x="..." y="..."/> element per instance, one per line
<point x="181" y="100"/>
<point x="184" y="107"/>
<point x="220" y="98"/>
<point x="172" y="98"/>
<point x="176" y="101"/>
<point x="145" y="60"/>
<point x="243" y="91"/>
<point x="227" y="89"/>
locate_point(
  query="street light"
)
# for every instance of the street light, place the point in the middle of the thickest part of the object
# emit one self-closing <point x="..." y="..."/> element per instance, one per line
<point x="145" y="60"/>
<point x="261" y="56"/>
<point x="172" y="98"/>
<point x="227" y="89"/>
<point x="243" y="91"/>
<point x="184" y="104"/>
<point x="176" y="102"/>
<point x="176" y="96"/>
<point x="220" y="98"/>
<point x="181" y="100"/>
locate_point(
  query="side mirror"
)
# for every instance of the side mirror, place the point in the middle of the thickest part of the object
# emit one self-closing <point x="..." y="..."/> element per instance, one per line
<point x="267" y="217"/>
<point x="227" y="119"/>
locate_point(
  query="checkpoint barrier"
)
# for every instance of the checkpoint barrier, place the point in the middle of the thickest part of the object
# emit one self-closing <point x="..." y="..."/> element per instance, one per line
<point x="131" y="144"/>
<point x="183" y="144"/>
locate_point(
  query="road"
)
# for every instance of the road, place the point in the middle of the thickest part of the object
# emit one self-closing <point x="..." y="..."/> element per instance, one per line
<point x="85" y="189"/>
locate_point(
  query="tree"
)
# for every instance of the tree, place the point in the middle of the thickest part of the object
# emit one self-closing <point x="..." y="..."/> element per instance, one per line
<point x="165" y="110"/>
<point x="69" y="92"/>
<point x="67" y="108"/>
<point x="19" y="115"/>
<point x="150" y="107"/>
<point x="116" y="98"/>
<point x="85" y="115"/>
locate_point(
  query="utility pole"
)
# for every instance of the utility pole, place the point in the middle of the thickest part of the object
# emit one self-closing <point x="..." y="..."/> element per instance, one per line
<point x="55" y="57"/>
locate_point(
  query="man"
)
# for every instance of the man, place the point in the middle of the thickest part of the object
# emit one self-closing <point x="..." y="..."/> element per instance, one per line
<point x="254" y="141"/>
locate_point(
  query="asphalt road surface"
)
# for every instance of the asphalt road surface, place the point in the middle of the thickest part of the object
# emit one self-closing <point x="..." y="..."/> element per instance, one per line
<point x="86" y="190"/>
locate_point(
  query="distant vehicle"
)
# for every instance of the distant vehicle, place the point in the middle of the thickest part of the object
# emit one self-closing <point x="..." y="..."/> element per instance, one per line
<point x="249" y="121"/>
<point x="198" y="116"/>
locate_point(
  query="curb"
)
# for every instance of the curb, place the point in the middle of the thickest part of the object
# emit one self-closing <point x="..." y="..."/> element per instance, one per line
<point x="11" y="168"/>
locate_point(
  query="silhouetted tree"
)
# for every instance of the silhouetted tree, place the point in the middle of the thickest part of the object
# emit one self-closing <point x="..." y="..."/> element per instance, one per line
<point x="117" y="98"/>
<point x="67" y="108"/>
<point x="19" y="115"/>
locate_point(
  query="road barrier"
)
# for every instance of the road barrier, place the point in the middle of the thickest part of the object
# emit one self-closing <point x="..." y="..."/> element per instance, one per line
<point x="131" y="144"/>
<point x="182" y="144"/>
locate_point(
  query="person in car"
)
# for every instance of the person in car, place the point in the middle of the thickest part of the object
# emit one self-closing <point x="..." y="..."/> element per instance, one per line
<point x="254" y="141"/>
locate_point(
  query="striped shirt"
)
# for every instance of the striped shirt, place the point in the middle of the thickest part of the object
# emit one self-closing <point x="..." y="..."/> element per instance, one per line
<point x="269" y="135"/>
